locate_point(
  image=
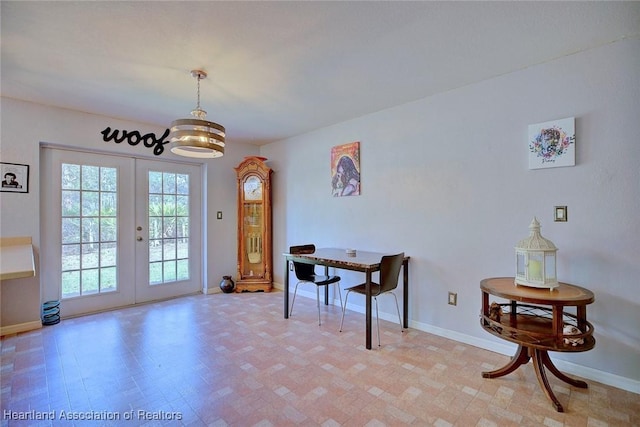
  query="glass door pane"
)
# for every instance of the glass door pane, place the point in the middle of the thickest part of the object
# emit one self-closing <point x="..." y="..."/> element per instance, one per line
<point x="168" y="227"/>
<point x="89" y="211"/>
<point x="253" y="244"/>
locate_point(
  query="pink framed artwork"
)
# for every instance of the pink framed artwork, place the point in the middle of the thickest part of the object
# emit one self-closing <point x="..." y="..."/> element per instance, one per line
<point x="345" y="170"/>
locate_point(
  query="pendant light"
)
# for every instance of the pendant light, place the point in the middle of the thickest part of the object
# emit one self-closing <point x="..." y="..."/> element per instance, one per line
<point x="197" y="137"/>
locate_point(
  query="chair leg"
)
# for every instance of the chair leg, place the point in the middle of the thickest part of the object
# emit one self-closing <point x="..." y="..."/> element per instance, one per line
<point x="344" y="307"/>
<point x="318" y="301"/>
<point x="339" y="293"/>
<point x="398" y="310"/>
<point x="294" y="298"/>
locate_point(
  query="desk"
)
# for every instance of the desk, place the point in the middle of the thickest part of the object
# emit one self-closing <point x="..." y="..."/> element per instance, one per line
<point x="534" y="319"/>
<point x="366" y="262"/>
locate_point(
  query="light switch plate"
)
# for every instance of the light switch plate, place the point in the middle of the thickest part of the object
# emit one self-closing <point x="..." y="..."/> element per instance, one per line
<point x="560" y="214"/>
<point x="453" y="298"/>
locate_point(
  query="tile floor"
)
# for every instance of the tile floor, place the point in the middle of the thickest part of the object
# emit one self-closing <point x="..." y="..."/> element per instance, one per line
<point x="233" y="360"/>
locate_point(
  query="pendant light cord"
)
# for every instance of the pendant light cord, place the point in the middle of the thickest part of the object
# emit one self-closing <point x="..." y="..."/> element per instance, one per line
<point x="198" y="107"/>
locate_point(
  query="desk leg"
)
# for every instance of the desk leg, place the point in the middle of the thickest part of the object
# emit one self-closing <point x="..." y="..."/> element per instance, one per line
<point x="326" y="288"/>
<point x="367" y="288"/>
<point x="405" y="289"/>
<point x="520" y="358"/>
<point x="286" y="289"/>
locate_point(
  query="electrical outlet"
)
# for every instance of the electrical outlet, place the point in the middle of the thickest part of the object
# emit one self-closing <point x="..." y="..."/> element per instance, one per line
<point x="453" y="298"/>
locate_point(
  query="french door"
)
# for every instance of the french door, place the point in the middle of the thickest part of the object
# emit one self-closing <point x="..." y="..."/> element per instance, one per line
<point x="168" y="230"/>
<point x="118" y="231"/>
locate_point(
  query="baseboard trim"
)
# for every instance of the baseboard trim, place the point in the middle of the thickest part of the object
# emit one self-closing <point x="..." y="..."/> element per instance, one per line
<point x="212" y="290"/>
<point x="20" y="327"/>
<point x="508" y="349"/>
<point x="503" y="348"/>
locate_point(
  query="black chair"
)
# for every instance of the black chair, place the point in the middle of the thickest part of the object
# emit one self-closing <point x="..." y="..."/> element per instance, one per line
<point x="305" y="273"/>
<point x="389" y="272"/>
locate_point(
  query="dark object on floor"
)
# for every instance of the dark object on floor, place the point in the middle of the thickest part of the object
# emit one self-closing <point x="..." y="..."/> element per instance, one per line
<point x="51" y="312"/>
<point x="227" y="285"/>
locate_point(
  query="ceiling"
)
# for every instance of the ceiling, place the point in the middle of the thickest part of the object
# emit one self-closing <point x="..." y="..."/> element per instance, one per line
<point x="279" y="69"/>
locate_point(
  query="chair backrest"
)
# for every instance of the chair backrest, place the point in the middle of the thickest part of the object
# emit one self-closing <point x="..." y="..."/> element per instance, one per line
<point x="390" y="271"/>
<point x="303" y="271"/>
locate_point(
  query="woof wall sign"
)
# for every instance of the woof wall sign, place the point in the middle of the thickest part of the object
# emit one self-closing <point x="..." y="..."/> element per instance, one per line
<point x="133" y="138"/>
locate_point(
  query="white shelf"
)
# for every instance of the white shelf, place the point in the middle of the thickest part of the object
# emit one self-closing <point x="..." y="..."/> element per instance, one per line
<point x="16" y="258"/>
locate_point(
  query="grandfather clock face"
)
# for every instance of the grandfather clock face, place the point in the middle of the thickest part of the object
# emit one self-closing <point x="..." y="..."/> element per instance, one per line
<point x="253" y="188"/>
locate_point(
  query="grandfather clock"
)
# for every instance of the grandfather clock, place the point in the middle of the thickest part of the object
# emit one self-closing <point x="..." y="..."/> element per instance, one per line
<point x="255" y="266"/>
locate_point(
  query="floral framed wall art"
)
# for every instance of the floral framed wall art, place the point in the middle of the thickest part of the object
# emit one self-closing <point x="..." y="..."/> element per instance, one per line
<point x="15" y="177"/>
<point x="345" y="170"/>
<point x="552" y="144"/>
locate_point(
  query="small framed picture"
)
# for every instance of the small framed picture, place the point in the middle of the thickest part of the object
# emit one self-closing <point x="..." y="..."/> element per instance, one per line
<point x="560" y="214"/>
<point x="15" y="177"/>
<point x="552" y="144"/>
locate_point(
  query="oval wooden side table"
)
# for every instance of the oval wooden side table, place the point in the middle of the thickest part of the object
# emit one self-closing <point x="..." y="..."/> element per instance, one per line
<point x="534" y="319"/>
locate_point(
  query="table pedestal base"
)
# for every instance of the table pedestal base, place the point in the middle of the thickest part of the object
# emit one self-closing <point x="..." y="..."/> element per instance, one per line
<point x="540" y="360"/>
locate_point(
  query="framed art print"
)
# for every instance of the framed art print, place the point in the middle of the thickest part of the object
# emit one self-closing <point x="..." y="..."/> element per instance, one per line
<point x="345" y="170"/>
<point x="15" y="177"/>
<point x="552" y="144"/>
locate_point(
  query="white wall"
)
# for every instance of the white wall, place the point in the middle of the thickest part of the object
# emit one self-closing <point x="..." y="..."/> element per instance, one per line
<point x="25" y="126"/>
<point x="446" y="180"/>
